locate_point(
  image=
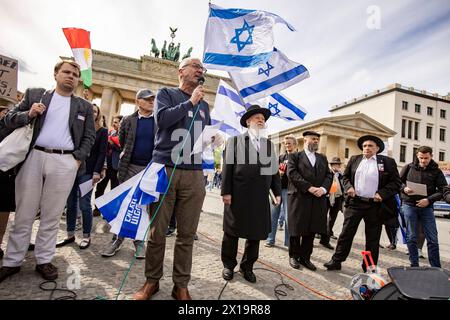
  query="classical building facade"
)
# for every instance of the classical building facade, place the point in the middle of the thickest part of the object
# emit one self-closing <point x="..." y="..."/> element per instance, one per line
<point x="338" y="134"/>
<point x="116" y="79"/>
<point x="418" y="117"/>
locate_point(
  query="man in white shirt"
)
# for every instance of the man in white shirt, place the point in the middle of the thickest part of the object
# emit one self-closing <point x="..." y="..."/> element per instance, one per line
<point x="370" y="182"/>
<point x="62" y="139"/>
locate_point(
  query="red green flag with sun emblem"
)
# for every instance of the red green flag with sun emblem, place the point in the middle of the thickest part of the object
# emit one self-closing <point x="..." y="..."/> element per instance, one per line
<point x="80" y="43"/>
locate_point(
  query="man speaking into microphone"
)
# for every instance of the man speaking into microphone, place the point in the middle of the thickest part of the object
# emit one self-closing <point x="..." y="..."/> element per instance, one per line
<point x="181" y="113"/>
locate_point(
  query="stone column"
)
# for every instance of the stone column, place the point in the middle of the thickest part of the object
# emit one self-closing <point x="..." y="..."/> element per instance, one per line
<point x="106" y="104"/>
<point x="341" y="148"/>
<point x="323" y="145"/>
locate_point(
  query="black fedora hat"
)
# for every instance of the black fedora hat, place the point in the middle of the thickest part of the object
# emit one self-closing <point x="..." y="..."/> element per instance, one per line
<point x="311" y="133"/>
<point x="254" y="109"/>
<point x="375" y="139"/>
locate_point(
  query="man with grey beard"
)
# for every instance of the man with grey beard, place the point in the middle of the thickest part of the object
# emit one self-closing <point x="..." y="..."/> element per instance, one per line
<point x="310" y="180"/>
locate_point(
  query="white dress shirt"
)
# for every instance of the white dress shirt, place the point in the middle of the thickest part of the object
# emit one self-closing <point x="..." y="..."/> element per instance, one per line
<point x="311" y="157"/>
<point x="366" y="177"/>
<point x="255" y="140"/>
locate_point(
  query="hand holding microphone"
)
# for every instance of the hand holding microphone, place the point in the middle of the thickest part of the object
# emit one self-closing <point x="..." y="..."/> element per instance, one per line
<point x="199" y="92"/>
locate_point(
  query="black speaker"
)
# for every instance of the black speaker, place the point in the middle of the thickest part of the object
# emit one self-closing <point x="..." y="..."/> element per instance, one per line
<point x="416" y="283"/>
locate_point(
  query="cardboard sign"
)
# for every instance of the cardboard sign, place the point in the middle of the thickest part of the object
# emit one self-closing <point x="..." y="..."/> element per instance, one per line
<point x="8" y="78"/>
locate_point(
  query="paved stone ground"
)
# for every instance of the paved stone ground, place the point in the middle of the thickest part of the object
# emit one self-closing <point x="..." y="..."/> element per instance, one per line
<point x="101" y="277"/>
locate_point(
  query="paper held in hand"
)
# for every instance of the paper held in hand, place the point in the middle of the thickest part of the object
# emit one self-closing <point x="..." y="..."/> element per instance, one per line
<point x="419" y="189"/>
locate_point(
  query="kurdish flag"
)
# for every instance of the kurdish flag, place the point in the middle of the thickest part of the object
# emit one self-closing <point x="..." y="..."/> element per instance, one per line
<point x="80" y="43"/>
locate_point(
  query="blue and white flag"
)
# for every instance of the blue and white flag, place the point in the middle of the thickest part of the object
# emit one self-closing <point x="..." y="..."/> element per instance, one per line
<point x="281" y="107"/>
<point x="228" y="108"/>
<point x="239" y="38"/>
<point x="269" y="77"/>
<point x="401" y="232"/>
<point x="125" y="207"/>
<point x="208" y="160"/>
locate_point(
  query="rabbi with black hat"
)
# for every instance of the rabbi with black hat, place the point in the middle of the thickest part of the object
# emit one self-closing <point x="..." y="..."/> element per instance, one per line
<point x="310" y="181"/>
<point x="250" y="170"/>
<point x="370" y="182"/>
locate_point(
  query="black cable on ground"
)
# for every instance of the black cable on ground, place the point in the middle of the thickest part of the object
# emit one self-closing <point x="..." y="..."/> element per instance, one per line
<point x="72" y="295"/>
<point x="277" y="291"/>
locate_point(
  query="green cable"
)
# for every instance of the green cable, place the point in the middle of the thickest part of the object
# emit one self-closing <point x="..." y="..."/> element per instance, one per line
<point x="157" y="209"/>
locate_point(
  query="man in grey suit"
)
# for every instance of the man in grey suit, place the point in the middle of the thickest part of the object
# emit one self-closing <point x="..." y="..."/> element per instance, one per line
<point x="62" y="139"/>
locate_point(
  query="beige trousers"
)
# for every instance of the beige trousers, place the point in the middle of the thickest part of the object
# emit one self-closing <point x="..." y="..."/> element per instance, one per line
<point x="184" y="197"/>
<point x="44" y="182"/>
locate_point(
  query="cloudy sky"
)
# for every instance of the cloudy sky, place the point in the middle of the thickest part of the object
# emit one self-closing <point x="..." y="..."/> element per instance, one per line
<point x="350" y="47"/>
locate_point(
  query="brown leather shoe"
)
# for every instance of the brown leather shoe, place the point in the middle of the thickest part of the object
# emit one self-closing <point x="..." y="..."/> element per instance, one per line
<point x="6" y="272"/>
<point x="147" y="291"/>
<point x="180" y="293"/>
<point x="48" y="271"/>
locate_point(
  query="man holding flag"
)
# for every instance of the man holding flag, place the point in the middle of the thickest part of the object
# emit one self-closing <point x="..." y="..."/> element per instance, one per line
<point x="178" y="111"/>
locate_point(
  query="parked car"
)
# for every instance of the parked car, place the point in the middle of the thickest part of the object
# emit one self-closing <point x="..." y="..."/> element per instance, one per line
<point x="442" y="208"/>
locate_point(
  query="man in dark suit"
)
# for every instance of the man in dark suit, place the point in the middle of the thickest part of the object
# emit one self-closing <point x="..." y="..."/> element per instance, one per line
<point x="370" y="182"/>
<point x="250" y="170"/>
<point x="310" y="180"/>
<point x="62" y="139"/>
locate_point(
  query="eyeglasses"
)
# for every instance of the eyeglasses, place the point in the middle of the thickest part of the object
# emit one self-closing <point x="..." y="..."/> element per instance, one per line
<point x="197" y="66"/>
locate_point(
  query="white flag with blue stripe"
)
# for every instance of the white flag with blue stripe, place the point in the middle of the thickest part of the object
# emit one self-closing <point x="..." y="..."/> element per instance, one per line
<point x="228" y="108"/>
<point x="281" y="107"/>
<point x="270" y="77"/>
<point x="125" y="207"/>
<point x="239" y="38"/>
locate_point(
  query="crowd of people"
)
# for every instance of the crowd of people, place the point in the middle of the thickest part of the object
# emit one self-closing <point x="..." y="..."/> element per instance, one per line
<point x="260" y="190"/>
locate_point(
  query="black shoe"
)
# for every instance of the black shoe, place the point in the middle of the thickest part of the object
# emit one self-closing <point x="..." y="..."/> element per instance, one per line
<point x="195" y="237"/>
<point x="327" y="245"/>
<point x="248" y="275"/>
<point x="6" y="272"/>
<point x="308" y="264"/>
<point x="227" y="274"/>
<point x="1" y="254"/>
<point x="31" y="247"/>
<point x="332" y="265"/>
<point x="65" y="241"/>
<point x="294" y="263"/>
<point x="170" y="232"/>
<point x="96" y="213"/>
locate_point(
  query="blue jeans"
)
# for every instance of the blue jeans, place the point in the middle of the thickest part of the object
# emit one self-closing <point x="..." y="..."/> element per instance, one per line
<point x="85" y="207"/>
<point x="424" y="216"/>
<point x="275" y="214"/>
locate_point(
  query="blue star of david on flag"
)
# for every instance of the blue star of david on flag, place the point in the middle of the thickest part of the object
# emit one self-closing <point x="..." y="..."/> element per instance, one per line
<point x="238" y="32"/>
<point x="266" y="71"/>
<point x="274" y="106"/>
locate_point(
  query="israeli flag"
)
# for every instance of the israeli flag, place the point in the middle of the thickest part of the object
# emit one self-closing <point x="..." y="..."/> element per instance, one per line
<point x="208" y="160"/>
<point x="239" y="38"/>
<point x="125" y="207"/>
<point x="228" y="108"/>
<point x="281" y="107"/>
<point x="267" y="78"/>
<point x="401" y="232"/>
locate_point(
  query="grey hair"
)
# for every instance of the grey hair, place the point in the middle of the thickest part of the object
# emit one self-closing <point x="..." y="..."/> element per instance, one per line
<point x="186" y="61"/>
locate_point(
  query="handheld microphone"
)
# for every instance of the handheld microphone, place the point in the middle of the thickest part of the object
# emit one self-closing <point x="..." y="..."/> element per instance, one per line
<point x="201" y="80"/>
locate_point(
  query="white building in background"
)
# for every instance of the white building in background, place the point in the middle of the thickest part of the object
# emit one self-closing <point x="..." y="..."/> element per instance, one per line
<point x="418" y="117"/>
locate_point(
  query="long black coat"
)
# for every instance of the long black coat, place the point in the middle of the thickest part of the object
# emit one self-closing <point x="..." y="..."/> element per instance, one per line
<point x="248" y="216"/>
<point x="306" y="213"/>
